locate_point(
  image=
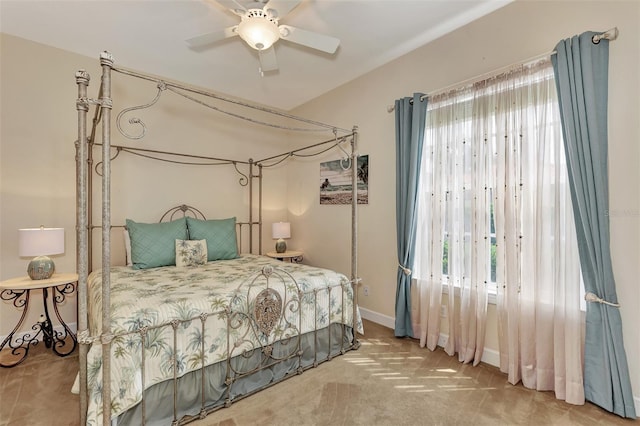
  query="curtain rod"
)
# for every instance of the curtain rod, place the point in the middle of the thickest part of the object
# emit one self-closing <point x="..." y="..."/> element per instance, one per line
<point x="610" y="35"/>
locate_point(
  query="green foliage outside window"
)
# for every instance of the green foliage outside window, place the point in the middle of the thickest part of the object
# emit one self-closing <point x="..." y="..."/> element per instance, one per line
<point x="445" y="248"/>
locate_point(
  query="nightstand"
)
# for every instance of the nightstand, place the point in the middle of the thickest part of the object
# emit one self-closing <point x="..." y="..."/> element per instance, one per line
<point x="18" y="291"/>
<point x="293" y="256"/>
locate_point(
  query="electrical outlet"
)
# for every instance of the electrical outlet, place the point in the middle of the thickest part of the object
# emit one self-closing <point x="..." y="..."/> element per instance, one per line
<point x="365" y="290"/>
<point x="443" y="311"/>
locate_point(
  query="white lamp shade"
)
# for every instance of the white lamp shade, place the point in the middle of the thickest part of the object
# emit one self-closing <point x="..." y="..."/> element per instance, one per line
<point x="40" y="241"/>
<point x="281" y="230"/>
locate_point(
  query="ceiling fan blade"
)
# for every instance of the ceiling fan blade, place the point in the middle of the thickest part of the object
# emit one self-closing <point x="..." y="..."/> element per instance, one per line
<point x="310" y="39"/>
<point x="280" y="8"/>
<point x="210" y="38"/>
<point x="268" y="61"/>
<point x="234" y="6"/>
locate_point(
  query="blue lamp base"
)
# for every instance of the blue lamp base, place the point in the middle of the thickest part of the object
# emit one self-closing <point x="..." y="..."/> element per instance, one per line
<point x="41" y="268"/>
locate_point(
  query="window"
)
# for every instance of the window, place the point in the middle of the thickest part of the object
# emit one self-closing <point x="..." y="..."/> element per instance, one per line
<point x="490" y="185"/>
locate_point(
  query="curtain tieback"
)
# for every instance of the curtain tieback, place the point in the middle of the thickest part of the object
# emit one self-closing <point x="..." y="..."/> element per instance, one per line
<point x="406" y="270"/>
<point x="590" y="297"/>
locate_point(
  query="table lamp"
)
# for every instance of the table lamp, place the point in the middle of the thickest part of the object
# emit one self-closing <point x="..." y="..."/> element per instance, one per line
<point x="41" y="242"/>
<point x="281" y="230"/>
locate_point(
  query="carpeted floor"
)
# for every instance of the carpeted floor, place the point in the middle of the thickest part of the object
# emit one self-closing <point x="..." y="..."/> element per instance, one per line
<point x="388" y="381"/>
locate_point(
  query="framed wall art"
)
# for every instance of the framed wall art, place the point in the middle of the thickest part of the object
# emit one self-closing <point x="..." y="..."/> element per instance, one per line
<point x="336" y="184"/>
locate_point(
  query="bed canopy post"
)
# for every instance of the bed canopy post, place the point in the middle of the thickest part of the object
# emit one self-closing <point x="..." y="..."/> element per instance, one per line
<point x="82" y="106"/>
<point x="90" y="142"/>
<point x="259" y="209"/>
<point x="106" y="61"/>
<point x="251" y="177"/>
<point x="252" y="222"/>
<point x="354" y="227"/>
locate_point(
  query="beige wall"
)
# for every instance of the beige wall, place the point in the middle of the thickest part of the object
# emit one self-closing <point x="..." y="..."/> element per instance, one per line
<point x="517" y="32"/>
<point x="37" y="165"/>
<point x="37" y="168"/>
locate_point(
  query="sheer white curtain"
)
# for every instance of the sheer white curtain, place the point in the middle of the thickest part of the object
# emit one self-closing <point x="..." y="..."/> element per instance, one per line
<point x="454" y="241"/>
<point x="538" y="271"/>
<point x="495" y="217"/>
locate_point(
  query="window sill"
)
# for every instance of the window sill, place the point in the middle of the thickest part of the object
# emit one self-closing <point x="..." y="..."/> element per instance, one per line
<point x="492" y="296"/>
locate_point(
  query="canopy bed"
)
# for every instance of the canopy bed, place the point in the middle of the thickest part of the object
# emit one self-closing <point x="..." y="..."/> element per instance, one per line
<point x="195" y="321"/>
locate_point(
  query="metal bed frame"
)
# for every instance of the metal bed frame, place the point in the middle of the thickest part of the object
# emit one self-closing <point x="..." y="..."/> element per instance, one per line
<point x="267" y="297"/>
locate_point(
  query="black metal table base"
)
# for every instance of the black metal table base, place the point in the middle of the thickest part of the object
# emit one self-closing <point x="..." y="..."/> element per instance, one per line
<point x="55" y="340"/>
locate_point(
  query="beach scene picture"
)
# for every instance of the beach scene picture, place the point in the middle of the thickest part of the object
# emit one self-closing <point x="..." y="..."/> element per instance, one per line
<point x="336" y="184"/>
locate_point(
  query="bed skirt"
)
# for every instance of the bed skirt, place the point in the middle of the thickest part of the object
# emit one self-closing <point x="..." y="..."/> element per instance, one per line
<point x="317" y="347"/>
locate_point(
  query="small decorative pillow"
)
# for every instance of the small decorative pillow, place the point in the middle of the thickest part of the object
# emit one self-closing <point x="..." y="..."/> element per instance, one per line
<point x="191" y="252"/>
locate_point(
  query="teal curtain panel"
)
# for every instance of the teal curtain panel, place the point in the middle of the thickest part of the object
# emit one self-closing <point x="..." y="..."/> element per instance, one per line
<point x="410" y="121"/>
<point x="581" y="75"/>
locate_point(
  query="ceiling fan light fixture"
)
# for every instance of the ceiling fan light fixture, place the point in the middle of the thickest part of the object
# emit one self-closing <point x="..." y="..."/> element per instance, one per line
<point x="258" y="29"/>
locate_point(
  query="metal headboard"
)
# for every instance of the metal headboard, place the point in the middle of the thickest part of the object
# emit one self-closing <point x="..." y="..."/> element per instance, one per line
<point x="185" y="210"/>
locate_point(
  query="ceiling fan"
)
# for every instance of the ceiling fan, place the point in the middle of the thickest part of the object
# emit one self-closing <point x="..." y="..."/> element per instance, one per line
<point x="259" y="28"/>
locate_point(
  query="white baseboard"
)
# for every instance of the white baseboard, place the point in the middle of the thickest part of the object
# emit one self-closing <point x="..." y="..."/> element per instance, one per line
<point x="58" y="328"/>
<point x="489" y="356"/>
<point x="385" y="320"/>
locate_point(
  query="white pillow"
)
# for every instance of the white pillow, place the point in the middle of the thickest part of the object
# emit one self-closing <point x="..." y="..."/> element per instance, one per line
<point x="127" y="246"/>
<point x="191" y="252"/>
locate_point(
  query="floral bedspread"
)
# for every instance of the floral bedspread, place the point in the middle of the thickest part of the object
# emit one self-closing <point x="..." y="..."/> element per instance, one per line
<point x="144" y="299"/>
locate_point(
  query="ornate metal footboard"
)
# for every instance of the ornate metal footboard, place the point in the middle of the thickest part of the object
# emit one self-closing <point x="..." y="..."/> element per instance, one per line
<point x="255" y="322"/>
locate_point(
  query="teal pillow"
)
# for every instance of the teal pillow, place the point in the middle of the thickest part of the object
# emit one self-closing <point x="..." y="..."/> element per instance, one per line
<point x="220" y="235"/>
<point x="154" y="244"/>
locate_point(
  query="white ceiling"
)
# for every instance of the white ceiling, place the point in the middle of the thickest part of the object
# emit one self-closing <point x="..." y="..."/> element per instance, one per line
<point x="149" y="35"/>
